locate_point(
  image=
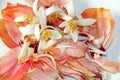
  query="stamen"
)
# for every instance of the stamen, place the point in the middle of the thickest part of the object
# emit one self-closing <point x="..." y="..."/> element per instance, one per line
<point x="46" y="34"/>
<point x="73" y="25"/>
<point x="52" y="18"/>
<point x="29" y="18"/>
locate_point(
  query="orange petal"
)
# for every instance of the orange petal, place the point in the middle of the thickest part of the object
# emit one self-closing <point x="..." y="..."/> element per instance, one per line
<point x="104" y="24"/>
<point x="16" y="10"/>
<point x="9" y="33"/>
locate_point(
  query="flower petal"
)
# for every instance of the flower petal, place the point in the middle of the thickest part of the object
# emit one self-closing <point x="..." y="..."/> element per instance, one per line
<point x="19" y="19"/>
<point x="70" y="8"/>
<point x="42" y="17"/>
<point x="8" y="62"/>
<point x="55" y="35"/>
<point x="52" y="9"/>
<point x="42" y="44"/>
<point x="74" y="35"/>
<point x="34" y="7"/>
<point x="50" y="43"/>
<point x="110" y="66"/>
<point x="37" y="31"/>
<point x="86" y="22"/>
<point x="63" y="24"/>
<point x="27" y="30"/>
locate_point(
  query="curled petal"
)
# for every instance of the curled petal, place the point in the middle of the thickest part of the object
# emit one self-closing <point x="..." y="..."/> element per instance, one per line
<point x="34" y="7"/>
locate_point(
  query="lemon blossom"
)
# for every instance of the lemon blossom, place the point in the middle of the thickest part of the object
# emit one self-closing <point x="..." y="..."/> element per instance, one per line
<point x="72" y="26"/>
<point x="49" y="36"/>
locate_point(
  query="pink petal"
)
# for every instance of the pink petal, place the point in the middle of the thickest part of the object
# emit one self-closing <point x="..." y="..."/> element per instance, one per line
<point x="108" y="65"/>
<point x="77" y="49"/>
<point x="8" y="62"/>
<point x="19" y="71"/>
<point x="13" y="32"/>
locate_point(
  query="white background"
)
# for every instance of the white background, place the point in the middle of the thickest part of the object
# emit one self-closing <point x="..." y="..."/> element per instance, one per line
<point x="81" y="5"/>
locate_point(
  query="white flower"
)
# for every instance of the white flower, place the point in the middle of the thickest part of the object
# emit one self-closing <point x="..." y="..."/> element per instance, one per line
<point x="49" y="37"/>
<point x="72" y="26"/>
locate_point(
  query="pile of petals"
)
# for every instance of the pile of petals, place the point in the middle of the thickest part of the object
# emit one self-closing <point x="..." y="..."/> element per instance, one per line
<point x="49" y="41"/>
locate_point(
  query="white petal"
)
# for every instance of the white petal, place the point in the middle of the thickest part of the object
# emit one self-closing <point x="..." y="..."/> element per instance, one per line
<point x="30" y="51"/>
<point x="98" y="42"/>
<point x="55" y="34"/>
<point x="19" y="19"/>
<point x="63" y="24"/>
<point x="79" y="16"/>
<point x="42" y="44"/>
<point x="35" y="7"/>
<point x="65" y="17"/>
<point x="67" y="29"/>
<point x="23" y="54"/>
<point x="70" y="8"/>
<point x="27" y="30"/>
<point x="50" y="43"/>
<point x="37" y="31"/>
<point x="52" y="9"/>
<point x="86" y="22"/>
<point x="42" y="17"/>
<point x="74" y="36"/>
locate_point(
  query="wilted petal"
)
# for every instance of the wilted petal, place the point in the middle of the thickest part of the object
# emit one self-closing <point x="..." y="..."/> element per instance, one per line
<point x="86" y="22"/>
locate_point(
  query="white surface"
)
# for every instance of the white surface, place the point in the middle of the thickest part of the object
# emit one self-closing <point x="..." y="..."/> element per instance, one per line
<point x="81" y="5"/>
